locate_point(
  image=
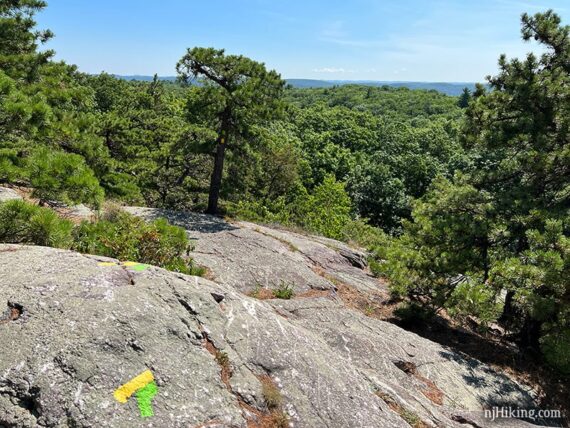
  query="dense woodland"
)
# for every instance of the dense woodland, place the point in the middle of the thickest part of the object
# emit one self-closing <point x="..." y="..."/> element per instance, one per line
<point x="463" y="201"/>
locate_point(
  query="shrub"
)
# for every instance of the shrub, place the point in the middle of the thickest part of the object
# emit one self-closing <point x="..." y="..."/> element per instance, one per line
<point x="11" y="168"/>
<point x="474" y="298"/>
<point x="326" y="211"/>
<point x="363" y="234"/>
<point x="24" y="223"/>
<point x="411" y="314"/>
<point x="59" y="176"/>
<point x="126" y="237"/>
<point x="556" y="348"/>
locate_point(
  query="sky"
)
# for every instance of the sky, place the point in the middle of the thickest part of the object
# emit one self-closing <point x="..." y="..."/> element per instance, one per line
<point x="390" y="40"/>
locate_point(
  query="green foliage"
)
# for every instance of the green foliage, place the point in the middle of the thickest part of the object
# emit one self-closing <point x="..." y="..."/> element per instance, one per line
<point x="540" y="281"/>
<point x="451" y="235"/>
<point x="118" y="235"/>
<point x="18" y="50"/>
<point x="555" y="345"/>
<point x="464" y="98"/>
<point x="122" y="187"/>
<point x="385" y="162"/>
<point x="284" y="291"/>
<point x="361" y="233"/>
<point x="268" y="167"/>
<point x="379" y="194"/>
<point x="326" y="211"/>
<point x="474" y="298"/>
<point x="395" y="103"/>
<point x="465" y="198"/>
<point x="59" y="176"/>
<point x="235" y="94"/>
<point x="24" y="223"/>
<point x="126" y="237"/>
<point x="11" y="168"/>
<point x="501" y="227"/>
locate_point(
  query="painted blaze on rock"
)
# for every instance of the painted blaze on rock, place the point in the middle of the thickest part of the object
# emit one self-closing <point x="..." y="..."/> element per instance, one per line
<point x="144" y="387"/>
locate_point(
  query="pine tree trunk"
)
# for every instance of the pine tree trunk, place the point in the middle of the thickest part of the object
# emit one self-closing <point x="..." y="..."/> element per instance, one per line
<point x="530" y="334"/>
<point x="508" y="309"/>
<point x="216" y="178"/>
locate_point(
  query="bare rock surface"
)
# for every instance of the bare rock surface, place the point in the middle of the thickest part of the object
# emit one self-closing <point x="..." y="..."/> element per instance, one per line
<point x="74" y="327"/>
<point x="7" y="194"/>
<point x="245" y="255"/>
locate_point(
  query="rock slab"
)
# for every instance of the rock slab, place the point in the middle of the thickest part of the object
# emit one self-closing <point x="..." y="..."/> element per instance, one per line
<point x="73" y="328"/>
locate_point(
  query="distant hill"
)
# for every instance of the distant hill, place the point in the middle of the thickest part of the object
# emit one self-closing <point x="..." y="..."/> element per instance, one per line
<point x="448" y="88"/>
<point x="145" y="78"/>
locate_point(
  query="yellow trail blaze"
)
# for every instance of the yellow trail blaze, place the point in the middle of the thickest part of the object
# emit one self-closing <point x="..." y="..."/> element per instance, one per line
<point x="123" y="392"/>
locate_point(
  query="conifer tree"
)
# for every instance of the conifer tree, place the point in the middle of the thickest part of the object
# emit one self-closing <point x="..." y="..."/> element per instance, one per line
<point x="234" y="93"/>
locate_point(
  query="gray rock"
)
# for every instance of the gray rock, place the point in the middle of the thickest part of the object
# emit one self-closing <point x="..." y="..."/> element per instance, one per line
<point x="7" y="194"/>
<point x="245" y="255"/>
<point x="74" y="327"/>
<point x="81" y="211"/>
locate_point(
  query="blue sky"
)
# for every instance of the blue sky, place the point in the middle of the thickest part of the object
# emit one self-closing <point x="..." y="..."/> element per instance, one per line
<point x="413" y="40"/>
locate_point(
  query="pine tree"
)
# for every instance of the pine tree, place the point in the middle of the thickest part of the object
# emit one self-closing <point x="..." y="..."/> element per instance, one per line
<point x="234" y="94"/>
<point x="464" y="98"/>
<point x="503" y="227"/>
<point x="19" y="57"/>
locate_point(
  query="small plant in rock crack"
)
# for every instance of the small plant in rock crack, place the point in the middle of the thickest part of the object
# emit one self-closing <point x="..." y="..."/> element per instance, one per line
<point x="279" y="419"/>
<point x="412" y="419"/>
<point x="256" y="292"/>
<point x="274" y="400"/>
<point x="223" y="360"/>
<point x="284" y="291"/>
<point x="271" y="393"/>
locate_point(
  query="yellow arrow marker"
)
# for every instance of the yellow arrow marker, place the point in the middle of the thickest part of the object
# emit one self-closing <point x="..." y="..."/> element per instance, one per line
<point x="107" y="263"/>
<point x="123" y="392"/>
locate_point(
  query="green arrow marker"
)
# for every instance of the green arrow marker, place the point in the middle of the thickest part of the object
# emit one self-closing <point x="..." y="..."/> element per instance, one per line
<point x="144" y="399"/>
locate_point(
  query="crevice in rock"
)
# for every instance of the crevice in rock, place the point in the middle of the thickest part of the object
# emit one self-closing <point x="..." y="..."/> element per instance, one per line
<point x="186" y="306"/>
<point x="133" y="344"/>
<point x="130" y="276"/>
<point x="270" y="417"/>
<point x="355" y="259"/>
<point x="29" y="404"/>
<point x="12" y="313"/>
<point x="430" y="390"/>
<point x="463" y="420"/>
<point x="410" y="417"/>
<point x="28" y="401"/>
<point x="60" y="362"/>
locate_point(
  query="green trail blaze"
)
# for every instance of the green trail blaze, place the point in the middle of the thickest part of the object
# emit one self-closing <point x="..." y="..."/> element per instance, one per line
<point x="144" y="399"/>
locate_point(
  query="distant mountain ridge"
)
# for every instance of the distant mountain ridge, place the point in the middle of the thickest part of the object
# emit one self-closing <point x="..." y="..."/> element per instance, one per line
<point x="448" y="88"/>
